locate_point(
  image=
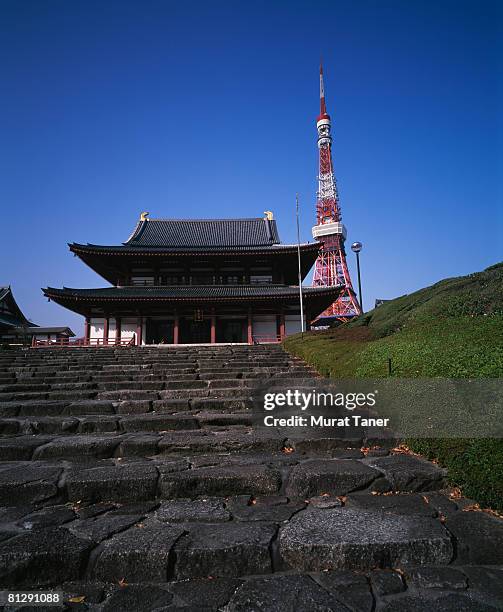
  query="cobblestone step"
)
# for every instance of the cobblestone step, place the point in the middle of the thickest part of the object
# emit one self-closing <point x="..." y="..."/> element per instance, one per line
<point x="135" y="479"/>
<point x="85" y="407"/>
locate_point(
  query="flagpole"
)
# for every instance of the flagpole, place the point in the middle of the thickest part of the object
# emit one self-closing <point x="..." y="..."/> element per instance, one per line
<point x="300" y="269"/>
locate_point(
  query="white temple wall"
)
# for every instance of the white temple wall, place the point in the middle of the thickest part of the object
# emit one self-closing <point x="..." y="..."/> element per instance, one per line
<point x="264" y="326"/>
<point x="44" y="336"/>
<point x="128" y="328"/>
<point x="97" y="328"/>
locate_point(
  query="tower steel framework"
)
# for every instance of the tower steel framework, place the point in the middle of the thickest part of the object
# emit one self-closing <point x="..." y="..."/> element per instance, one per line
<point x="331" y="266"/>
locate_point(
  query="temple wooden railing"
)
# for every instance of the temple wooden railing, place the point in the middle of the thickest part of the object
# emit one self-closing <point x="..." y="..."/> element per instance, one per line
<point x="266" y="339"/>
<point x="82" y="342"/>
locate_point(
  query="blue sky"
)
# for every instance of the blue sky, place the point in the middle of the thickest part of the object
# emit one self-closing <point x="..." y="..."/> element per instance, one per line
<point x="207" y="109"/>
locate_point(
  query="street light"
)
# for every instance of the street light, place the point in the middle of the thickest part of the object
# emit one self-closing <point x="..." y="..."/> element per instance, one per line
<point x="356" y="247"/>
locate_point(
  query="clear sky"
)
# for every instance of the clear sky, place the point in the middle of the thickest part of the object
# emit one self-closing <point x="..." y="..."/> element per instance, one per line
<point x="207" y="109"/>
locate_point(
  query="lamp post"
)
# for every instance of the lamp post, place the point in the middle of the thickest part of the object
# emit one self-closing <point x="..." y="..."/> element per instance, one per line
<point x="356" y="247"/>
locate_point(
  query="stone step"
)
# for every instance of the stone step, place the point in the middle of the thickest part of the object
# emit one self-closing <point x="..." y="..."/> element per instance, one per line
<point x="109" y="366"/>
<point x="337" y="538"/>
<point x="37" y="381"/>
<point x="54" y="395"/>
<point x="24" y="386"/>
<point x="266" y="536"/>
<point x="464" y="588"/>
<point x="135" y="442"/>
<point x="150" y="421"/>
<point x="132" y="385"/>
<point x="53" y="408"/>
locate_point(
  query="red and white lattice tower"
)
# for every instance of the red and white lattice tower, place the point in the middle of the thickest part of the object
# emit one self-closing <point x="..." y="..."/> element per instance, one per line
<point x="330" y="267"/>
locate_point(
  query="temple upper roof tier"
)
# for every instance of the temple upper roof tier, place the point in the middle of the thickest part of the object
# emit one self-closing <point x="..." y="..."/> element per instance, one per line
<point x="274" y="249"/>
<point x="189" y="243"/>
<point x="204" y="233"/>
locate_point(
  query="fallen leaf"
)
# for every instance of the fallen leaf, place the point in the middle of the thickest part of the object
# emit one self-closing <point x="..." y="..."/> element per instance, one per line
<point x="472" y="508"/>
<point x="492" y="512"/>
<point x="455" y="493"/>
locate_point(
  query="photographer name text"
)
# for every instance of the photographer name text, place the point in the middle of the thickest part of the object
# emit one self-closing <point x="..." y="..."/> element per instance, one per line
<point x="322" y="421"/>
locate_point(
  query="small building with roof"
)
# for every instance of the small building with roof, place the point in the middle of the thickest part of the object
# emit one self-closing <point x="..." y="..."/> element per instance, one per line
<point x="12" y="319"/>
<point x="182" y="281"/>
<point x="15" y="328"/>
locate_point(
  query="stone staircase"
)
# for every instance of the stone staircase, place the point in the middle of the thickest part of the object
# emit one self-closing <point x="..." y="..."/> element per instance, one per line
<point x="134" y="479"/>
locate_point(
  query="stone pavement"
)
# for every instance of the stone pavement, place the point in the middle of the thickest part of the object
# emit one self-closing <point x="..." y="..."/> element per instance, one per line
<point x="132" y="479"/>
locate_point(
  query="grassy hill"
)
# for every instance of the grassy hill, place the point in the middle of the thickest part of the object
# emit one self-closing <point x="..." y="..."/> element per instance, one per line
<point x="453" y="329"/>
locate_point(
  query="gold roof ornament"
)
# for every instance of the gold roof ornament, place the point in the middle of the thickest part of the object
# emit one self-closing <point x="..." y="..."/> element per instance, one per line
<point x="268" y="215"/>
<point x="144" y="216"/>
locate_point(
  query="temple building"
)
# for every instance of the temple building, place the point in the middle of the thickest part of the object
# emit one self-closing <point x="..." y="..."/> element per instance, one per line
<point x="181" y="281"/>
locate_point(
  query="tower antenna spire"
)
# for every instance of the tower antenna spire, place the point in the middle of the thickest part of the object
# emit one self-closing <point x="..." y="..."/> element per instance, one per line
<point x="323" y="106"/>
<point x="330" y="268"/>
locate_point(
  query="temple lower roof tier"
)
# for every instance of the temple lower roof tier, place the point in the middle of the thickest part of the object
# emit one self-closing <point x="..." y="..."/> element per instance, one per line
<point x="125" y="298"/>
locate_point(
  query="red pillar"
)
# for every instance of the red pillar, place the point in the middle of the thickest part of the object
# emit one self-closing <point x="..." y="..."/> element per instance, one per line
<point x="250" y="327"/>
<point x="139" y="331"/>
<point x="176" y="329"/>
<point x="282" y="325"/>
<point x="213" y="335"/>
<point x="106" y="328"/>
<point x="87" y="330"/>
<point x="118" y="330"/>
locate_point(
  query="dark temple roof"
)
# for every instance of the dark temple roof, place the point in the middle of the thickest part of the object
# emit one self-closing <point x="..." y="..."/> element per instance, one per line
<point x="204" y="233"/>
<point x="127" y="249"/>
<point x="11" y="315"/>
<point x="188" y="292"/>
<point x="67" y="331"/>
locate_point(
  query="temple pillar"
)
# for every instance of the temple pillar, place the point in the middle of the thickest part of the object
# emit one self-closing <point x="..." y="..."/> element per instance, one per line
<point x="176" y="329"/>
<point x="118" y="324"/>
<point x="106" y="327"/>
<point x="139" y="331"/>
<point x="213" y="334"/>
<point x="87" y="330"/>
<point x="250" y="326"/>
<point x="282" y="324"/>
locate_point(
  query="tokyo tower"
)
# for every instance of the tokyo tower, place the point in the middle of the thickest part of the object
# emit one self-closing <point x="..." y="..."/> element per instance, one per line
<point x="330" y="267"/>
